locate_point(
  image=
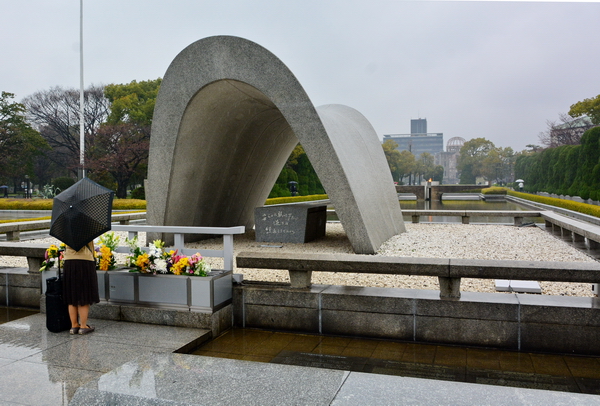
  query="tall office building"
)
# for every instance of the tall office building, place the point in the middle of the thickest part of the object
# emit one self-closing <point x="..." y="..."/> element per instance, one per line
<point x="419" y="140"/>
<point x="418" y="126"/>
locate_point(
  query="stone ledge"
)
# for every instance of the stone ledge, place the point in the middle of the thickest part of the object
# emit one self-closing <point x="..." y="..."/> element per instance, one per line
<point x="510" y="321"/>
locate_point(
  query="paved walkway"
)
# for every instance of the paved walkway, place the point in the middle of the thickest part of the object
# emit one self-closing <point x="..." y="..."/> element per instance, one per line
<point x="38" y="367"/>
<point x="134" y="364"/>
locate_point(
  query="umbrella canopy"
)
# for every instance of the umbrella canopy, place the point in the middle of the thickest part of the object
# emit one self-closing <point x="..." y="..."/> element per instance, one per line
<point x="3" y="187"/>
<point x="81" y="213"/>
<point x="519" y="180"/>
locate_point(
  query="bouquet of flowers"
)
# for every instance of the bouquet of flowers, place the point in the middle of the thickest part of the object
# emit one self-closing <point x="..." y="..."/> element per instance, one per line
<point x="194" y="265"/>
<point x="157" y="260"/>
<point x="198" y="266"/>
<point x="107" y="244"/>
<point x="51" y="254"/>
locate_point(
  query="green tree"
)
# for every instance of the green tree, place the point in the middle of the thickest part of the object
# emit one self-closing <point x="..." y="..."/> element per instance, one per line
<point x="589" y="107"/>
<point x="498" y="165"/>
<point x="425" y="167"/>
<point x="569" y="169"/>
<point x="406" y="164"/>
<point x="297" y="169"/>
<point x="471" y="160"/>
<point x="437" y="174"/>
<point x="392" y="155"/>
<point x="132" y="102"/>
<point x="122" y="144"/>
<point x="19" y="143"/>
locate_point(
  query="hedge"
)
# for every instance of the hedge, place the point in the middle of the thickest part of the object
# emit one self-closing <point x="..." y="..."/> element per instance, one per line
<point x="584" y="208"/>
<point x="294" y="199"/>
<point x="494" y="190"/>
<point x="46" y="204"/>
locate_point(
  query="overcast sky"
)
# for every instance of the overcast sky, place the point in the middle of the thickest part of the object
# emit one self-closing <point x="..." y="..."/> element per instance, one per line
<point x="497" y="70"/>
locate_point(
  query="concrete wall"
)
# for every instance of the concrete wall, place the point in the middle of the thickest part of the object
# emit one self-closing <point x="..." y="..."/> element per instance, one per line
<point x="508" y="321"/>
<point x="18" y="288"/>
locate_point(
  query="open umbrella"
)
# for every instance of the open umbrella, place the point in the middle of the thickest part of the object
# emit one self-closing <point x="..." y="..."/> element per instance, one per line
<point x="519" y="180"/>
<point x="81" y="213"/>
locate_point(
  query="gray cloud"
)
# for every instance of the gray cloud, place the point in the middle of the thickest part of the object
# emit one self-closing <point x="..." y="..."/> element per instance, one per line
<point x="497" y="70"/>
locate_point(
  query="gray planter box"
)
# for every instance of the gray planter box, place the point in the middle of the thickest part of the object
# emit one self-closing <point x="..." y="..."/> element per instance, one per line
<point x="211" y="292"/>
<point x="102" y="284"/>
<point x="163" y="290"/>
<point x="121" y="286"/>
<point x="193" y="293"/>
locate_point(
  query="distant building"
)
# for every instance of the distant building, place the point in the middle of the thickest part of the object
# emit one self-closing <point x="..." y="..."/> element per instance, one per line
<point x="419" y="140"/>
<point x="449" y="160"/>
<point x="418" y="126"/>
<point x="570" y="132"/>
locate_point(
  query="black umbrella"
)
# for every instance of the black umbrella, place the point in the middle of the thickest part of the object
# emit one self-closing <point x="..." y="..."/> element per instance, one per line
<point x="81" y="213"/>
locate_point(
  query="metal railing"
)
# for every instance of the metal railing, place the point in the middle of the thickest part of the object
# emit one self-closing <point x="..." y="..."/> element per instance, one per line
<point x="179" y="233"/>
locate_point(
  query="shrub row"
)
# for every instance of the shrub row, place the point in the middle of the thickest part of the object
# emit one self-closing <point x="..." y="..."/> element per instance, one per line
<point x="130" y="204"/>
<point x="572" y="170"/>
<point x="46" y="204"/>
<point x="494" y="190"/>
<point x="294" y="199"/>
<point x="584" y="208"/>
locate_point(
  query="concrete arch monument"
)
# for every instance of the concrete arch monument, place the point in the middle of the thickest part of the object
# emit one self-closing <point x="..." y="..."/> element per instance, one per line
<point x="227" y="116"/>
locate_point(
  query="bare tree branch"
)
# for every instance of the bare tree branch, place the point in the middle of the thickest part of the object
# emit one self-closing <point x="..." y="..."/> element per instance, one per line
<point x="55" y="114"/>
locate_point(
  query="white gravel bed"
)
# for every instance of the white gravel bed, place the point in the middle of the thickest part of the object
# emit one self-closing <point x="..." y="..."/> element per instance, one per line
<point x="468" y="241"/>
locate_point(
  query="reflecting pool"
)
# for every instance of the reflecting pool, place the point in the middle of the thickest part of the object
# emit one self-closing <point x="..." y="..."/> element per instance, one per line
<point x="459" y="205"/>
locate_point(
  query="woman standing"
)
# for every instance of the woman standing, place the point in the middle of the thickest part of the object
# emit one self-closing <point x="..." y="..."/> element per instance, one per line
<point x="80" y="286"/>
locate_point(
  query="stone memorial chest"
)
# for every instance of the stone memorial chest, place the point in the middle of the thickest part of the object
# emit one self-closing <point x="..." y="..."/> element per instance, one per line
<point x="292" y="223"/>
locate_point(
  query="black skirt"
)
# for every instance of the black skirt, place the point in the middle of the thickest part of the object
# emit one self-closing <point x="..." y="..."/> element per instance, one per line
<point x="80" y="283"/>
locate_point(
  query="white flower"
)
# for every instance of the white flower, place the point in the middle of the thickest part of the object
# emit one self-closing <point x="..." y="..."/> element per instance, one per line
<point x="133" y="243"/>
<point x="161" y="265"/>
<point x="153" y="251"/>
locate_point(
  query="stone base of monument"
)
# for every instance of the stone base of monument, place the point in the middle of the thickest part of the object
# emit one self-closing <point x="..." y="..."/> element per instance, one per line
<point x="291" y="223"/>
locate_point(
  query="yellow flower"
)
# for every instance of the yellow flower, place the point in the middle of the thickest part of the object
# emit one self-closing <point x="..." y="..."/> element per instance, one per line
<point x="52" y="251"/>
<point x="180" y="266"/>
<point x="105" y="258"/>
<point x="142" y="261"/>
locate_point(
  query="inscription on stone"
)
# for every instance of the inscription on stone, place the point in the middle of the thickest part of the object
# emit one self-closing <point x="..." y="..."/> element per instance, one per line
<point x="295" y="223"/>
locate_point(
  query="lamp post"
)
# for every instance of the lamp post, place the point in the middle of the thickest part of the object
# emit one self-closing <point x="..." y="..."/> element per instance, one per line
<point x="293" y="185"/>
<point x="27" y="192"/>
<point x="81" y="98"/>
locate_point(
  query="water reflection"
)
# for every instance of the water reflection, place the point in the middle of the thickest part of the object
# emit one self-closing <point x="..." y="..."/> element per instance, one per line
<point x="7" y="314"/>
<point x="458" y="205"/>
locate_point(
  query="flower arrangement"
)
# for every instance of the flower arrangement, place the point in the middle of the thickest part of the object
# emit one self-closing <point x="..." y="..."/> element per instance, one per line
<point x="105" y="257"/>
<point x="194" y="265"/>
<point x="50" y="256"/>
<point x="157" y="260"/>
<point x="154" y="261"/>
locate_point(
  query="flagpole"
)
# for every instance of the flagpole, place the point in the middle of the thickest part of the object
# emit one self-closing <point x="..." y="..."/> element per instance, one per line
<point x="81" y="98"/>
